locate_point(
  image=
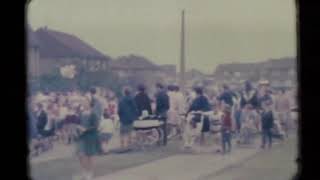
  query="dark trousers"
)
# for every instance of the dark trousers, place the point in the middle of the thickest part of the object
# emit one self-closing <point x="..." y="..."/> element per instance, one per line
<point x="266" y="135"/>
<point x="226" y="140"/>
<point x="238" y="123"/>
<point x="163" y="117"/>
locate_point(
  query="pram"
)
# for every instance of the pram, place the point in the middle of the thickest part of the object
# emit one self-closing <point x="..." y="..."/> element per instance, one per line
<point x="149" y="131"/>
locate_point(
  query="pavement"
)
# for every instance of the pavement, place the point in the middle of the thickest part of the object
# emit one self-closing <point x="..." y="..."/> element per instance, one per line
<point x="189" y="167"/>
<point x="165" y="163"/>
<point x="186" y="167"/>
<point x="61" y="151"/>
<point x="277" y="164"/>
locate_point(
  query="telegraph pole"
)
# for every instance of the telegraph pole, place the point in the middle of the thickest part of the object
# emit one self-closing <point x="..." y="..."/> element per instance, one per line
<point x="182" y="55"/>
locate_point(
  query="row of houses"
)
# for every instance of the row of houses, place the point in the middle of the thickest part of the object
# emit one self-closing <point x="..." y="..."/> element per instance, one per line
<point x="50" y="49"/>
<point x="280" y="72"/>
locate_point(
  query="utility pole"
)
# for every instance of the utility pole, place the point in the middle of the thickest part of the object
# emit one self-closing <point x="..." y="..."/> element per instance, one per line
<point x="182" y="55"/>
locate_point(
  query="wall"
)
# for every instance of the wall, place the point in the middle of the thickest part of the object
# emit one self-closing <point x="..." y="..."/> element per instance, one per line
<point x="32" y="61"/>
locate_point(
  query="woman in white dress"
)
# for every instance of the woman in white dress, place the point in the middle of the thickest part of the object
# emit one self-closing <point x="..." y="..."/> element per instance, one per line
<point x="173" y="113"/>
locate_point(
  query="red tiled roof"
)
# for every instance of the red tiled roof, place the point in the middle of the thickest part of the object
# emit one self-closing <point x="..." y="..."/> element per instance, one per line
<point x="54" y="44"/>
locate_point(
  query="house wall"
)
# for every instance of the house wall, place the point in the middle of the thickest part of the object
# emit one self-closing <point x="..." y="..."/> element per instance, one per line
<point x="33" y="61"/>
<point x="47" y="65"/>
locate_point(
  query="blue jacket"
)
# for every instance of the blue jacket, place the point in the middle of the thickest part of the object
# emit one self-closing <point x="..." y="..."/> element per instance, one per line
<point x="200" y="103"/>
<point x="127" y="110"/>
<point x="267" y="120"/>
<point x="162" y="102"/>
<point x="227" y="96"/>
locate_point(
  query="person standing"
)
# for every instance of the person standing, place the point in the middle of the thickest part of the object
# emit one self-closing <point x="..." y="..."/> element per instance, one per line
<point x="249" y="96"/>
<point x="267" y="122"/>
<point x="226" y="130"/>
<point x="142" y="101"/>
<point x="237" y="117"/>
<point x="282" y="107"/>
<point x="201" y="103"/>
<point x="248" y="119"/>
<point x="227" y="96"/>
<point x="87" y="142"/>
<point x="181" y="103"/>
<point x="173" y="112"/>
<point x="61" y="125"/>
<point x="106" y="129"/>
<point x="32" y="133"/>
<point x="162" y="107"/>
<point x="96" y="104"/>
<point x="128" y="113"/>
<point x="264" y="93"/>
<point x="42" y="120"/>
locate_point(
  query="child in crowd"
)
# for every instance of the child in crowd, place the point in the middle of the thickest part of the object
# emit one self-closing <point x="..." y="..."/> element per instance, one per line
<point x="248" y="120"/>
<point x="106" y="129"/>
<point x="226" y="129"/>
<point x="216" y="120"/>
<point x="267" y="123"/>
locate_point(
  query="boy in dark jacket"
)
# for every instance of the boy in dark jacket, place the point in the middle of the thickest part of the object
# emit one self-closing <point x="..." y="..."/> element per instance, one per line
<point x="127" y="111"/>
<point x="267" y="121"/>
<point x="162" y="107"/>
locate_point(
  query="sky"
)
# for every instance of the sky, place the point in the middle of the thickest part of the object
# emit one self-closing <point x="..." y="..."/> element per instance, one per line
<point x="217" y="31"/>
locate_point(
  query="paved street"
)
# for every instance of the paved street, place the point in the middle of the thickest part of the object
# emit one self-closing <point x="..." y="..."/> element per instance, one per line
<point x="277" y="164"/>
<point x="169" y="163"/>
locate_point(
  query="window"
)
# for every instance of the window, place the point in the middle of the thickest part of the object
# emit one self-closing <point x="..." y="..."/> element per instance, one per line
<point x="237" y="74"/>
<point x="226" y="73"/>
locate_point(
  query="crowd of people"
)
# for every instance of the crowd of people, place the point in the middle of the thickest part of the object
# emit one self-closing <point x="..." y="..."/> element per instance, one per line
<point x="89" y="119"/>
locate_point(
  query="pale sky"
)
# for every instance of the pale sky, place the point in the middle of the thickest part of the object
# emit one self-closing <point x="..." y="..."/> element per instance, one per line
<point x="217" y="31"/>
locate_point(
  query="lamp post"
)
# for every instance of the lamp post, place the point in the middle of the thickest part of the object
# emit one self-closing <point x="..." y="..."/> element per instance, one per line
<point x="182" y="55"/>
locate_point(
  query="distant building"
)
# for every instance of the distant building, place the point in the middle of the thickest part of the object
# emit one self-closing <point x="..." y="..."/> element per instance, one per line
<point x="141" y="70"/>
<point x="280" y="72"/>
<point x="32" y="53"/>
<point x="55" y="49"/>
